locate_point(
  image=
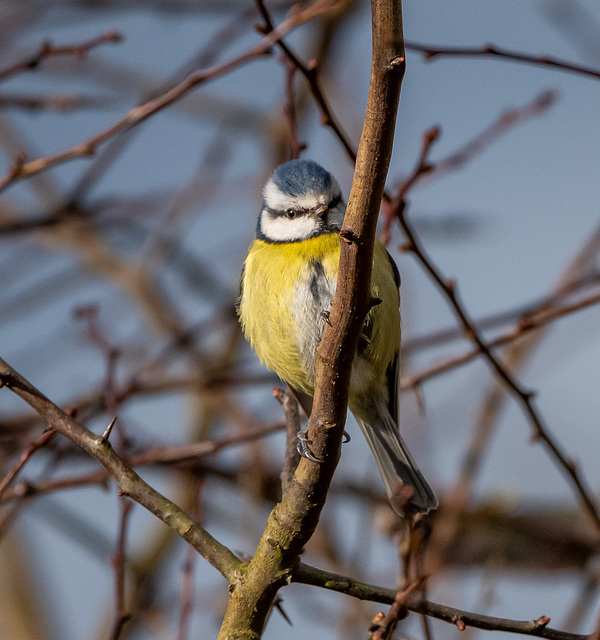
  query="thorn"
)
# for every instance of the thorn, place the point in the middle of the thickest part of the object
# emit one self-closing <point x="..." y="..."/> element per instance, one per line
<point x="470" y="333"/>
<point x="17" y="164"/>
<point x="279" y="606"/>
<point x="106" y="434"/>
<point x="525" y="322"/>
<point x="535" y="437"/>
<point x="373" y="302"/>
<point x="86" y="149"/>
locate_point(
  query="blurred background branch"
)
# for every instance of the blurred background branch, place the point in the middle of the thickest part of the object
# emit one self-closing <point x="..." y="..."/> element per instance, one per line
<point x="120" y="275"/>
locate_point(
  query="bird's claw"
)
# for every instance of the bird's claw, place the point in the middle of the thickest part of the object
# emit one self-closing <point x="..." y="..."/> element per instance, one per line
<point x="304" y="450"/>
<point x="302" y="447"/>
<point x="325" y="315"/>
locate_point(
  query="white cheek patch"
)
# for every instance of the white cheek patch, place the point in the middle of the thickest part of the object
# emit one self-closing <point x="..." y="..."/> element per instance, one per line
<point x="282" y="229"/>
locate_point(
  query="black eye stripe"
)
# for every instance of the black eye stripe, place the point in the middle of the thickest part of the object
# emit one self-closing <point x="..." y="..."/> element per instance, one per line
<point x="278" y="213"/>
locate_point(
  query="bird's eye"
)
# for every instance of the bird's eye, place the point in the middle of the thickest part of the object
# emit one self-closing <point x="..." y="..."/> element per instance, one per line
<point x="291" y="213"/>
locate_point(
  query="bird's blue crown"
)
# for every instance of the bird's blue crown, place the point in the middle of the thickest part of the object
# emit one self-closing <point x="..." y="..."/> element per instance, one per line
<point x="298" y="177"/>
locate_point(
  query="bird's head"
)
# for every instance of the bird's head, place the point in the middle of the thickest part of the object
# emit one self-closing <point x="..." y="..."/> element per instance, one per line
<point x="301" y="200"/>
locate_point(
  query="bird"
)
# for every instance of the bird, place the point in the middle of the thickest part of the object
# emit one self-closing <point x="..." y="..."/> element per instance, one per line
<point x="287" y="287"/>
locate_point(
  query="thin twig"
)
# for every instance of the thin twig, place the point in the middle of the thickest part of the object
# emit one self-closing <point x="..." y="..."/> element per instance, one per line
<point x="25" y="457"/>
<point x="292" y="421"/>
<point x="506" y="121"/>
<point x="175" y="455"/>
<point x="450" y="334"/>
<point x="306" y="574"/>
<point x="119" y="562"/>
<point x="431" y="51"/>
<point x="311" y="74"/>
<point x="289" y="110"/>
<point x="49" y="50"/>
<point x="22" y="168"/>
<point x="448" y="287"/>
<point x="528" y="323"/>
<point x="382" y="626"/>
<point x="62" y="102"/>
<point x="187" y="582"/>
<point x="130" y="483"/>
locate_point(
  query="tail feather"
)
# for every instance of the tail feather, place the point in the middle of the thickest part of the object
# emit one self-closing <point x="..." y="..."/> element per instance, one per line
<point x="396" y="465"/>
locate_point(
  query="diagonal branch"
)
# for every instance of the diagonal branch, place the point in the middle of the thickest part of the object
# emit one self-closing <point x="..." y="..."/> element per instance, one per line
<point x="306" y="574"/>
<point x="21" y="168"/>
<point x="130" y="483"/>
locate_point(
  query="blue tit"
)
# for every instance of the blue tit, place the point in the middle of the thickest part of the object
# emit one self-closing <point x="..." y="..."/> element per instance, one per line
<point x="287" y="288"/>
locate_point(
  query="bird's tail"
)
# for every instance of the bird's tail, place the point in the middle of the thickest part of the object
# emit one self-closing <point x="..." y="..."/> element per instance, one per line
<point x="397" y="467"/>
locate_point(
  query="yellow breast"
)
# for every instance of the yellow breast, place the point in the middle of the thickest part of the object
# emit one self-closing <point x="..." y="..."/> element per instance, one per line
<point x="280" y="306"/>
<point x="273" y="274"/>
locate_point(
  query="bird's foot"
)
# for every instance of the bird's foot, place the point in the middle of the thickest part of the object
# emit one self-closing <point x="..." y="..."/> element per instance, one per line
<point x="302" y="447"/>
<point x="304" y="450"/>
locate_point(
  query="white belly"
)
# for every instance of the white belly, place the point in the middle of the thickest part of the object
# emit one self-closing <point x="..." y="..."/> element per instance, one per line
<point x="311" y="307"/>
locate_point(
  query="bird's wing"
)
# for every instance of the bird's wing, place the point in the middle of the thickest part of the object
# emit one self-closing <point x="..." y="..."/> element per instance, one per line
<point x="392" y="375"/>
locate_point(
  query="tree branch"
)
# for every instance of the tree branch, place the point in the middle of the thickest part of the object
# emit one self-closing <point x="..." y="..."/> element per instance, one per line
<point x="293" y="521"/>
<point x="306" y="574"/>
<point x="21" y="168"/>
<point x="527" y="323"/>
<point x="130" y="483"/>
<point x="48" y="50"/>
<point x="489" y="50"/>
<point x="523" y="396"/>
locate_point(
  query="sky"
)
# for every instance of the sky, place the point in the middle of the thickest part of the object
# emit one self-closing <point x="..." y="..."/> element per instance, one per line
<point x="522" y="209"/>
